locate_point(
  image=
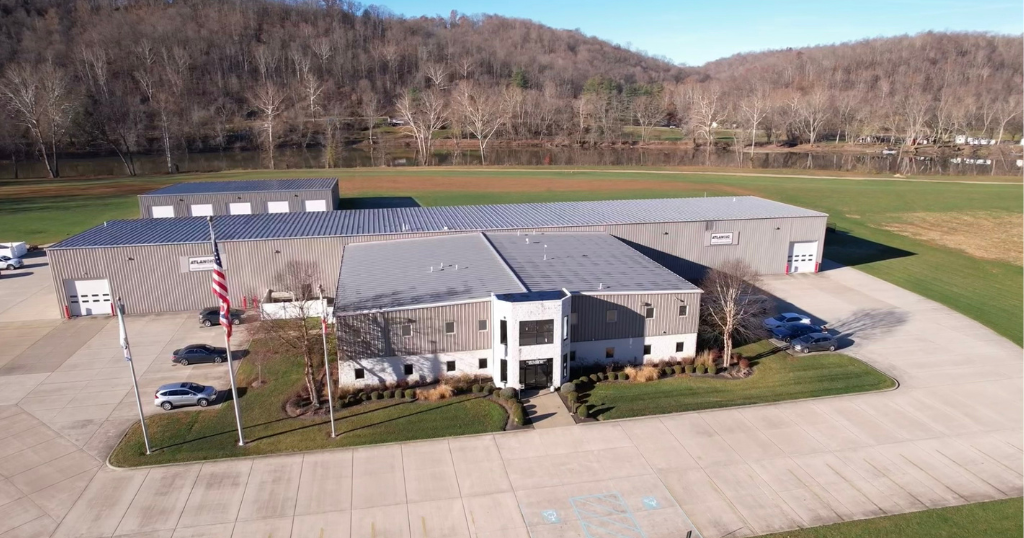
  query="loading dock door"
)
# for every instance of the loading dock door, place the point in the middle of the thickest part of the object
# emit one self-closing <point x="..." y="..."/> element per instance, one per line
<point x="277" y="207"/>
<point x="163" y="211"/>
<point x="88" y="297"/>
<point x="202" y="210"/>
<point x="316" y="205"/>
<point x="803" y="257"/>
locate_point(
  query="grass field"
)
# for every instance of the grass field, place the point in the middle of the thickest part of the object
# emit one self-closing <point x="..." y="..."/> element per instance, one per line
<point x="989" y="291"/>
<point x="996" y="519"/>
<point x="196" y="435"/>
<point x="777" y="377"/>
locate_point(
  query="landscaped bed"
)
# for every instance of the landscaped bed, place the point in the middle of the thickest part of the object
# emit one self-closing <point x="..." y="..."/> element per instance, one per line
<point x="193" y="435"/>
<point x="777" y="376"/>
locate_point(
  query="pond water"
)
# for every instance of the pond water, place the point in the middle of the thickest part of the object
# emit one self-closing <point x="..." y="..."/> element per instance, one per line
<point x="291" y="158"/>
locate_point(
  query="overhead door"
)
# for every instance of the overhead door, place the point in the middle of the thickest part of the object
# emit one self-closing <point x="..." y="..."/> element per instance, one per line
<point x="88" y="297"/>
<point x="277" y="207"/>
<point x="240" y="208"/>
<point x="163" y="211"/>
<point x="803" y="257"/>
<point x="202" y="210"/>
<point x="316" y="205"/>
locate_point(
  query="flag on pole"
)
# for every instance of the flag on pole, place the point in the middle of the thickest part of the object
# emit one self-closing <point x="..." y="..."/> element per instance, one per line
<point x="123" y="333"/>
<point x="220" y="290"/>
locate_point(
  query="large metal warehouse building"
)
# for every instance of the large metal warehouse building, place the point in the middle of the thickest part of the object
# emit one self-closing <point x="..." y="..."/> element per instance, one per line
<point x="204" y="198"/>
<point x="161" y="265"/>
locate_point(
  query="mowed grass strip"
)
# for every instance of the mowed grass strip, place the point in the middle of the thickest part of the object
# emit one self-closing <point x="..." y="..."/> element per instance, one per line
<point x="778" y="377"/>
<point x="198" y="435"/>
<point x="995" y="519"/>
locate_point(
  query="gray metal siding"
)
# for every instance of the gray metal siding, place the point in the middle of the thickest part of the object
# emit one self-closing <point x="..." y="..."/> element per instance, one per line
<point x="379" y="334"/>
<point x="157" y="285"/>
<point x="591" y="315"/>
<point x="219" y="201"/>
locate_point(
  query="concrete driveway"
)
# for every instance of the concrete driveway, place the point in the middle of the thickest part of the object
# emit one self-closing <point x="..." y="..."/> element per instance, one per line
<point x="950" y="434"/>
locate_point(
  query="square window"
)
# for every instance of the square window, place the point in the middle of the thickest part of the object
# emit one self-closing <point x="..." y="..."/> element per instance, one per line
<point x="611" y="316"/>
<point x="407" y="369"/>
<point x="683" y="309"/>
<point x="481" y="364"/>
<point x="647" y="349"/>
<point x="680" y="346"/>
<point x="360" y="373"/>
<point x="449" y="366"/>
<point x="609" y="353"/>
<point x="649" y="312"/>
<point x="449" y="327"/>
<point x="572" y="318"/>
<point x="481" y="325"/>
<point x="406" y="329"/>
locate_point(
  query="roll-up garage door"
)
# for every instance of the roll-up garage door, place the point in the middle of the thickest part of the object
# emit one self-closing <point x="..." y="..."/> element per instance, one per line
<point x="88" y="297"/>
<point x="803" y="257"/>
<point x="316" y="205"/>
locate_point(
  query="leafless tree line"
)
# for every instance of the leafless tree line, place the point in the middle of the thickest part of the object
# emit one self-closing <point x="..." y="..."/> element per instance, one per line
<point x="176" y="77"/>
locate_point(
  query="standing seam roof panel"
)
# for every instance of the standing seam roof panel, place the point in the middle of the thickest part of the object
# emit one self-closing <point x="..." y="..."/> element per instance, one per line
<point x="250" y="185"/>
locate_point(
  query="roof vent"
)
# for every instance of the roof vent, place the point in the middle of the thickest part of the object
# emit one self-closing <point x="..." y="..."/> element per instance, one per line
<point x="527" y="240"/>
<point x="600" y="285"/>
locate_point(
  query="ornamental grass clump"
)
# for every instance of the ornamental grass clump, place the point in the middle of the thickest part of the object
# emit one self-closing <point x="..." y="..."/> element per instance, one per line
<point x="642" y="374"/>
<point x="436" y="394"/>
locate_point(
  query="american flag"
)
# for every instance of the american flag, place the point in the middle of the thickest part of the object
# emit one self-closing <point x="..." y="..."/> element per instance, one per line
<point x="220" y="288"/>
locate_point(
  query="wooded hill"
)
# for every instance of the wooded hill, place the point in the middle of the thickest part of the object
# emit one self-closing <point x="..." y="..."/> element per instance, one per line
<point x="130" y="76"/>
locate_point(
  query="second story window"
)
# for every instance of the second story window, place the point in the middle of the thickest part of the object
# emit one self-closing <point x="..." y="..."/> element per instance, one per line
<point x="536" y="332"/>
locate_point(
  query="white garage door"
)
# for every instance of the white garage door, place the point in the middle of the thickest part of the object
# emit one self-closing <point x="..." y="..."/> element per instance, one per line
<point x="240" y="208"/>
<point x="803" y="257"/>
<point x="88" y="297"/>
<point x="277" y="207"/>
<point x="202" y="210"/>
<point x="316" y="205"/>
<point x="163" y="211"/>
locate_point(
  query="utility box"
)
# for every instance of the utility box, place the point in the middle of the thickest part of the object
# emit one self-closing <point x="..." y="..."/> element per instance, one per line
<point x="13" y="250"/>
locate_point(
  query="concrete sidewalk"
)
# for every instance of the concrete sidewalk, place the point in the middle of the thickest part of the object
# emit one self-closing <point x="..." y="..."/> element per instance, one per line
<point x="936" y="441"/>
<point x="546" y="410"/>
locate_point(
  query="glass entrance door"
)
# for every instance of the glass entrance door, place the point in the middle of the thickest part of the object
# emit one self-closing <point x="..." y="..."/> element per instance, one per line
<point x="535" y="373"/>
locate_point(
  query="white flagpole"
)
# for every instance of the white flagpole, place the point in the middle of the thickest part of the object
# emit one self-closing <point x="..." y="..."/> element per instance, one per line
<point x="128" y="357"/>
<point x="327" y="363"/>
<point x="227" y="347"/>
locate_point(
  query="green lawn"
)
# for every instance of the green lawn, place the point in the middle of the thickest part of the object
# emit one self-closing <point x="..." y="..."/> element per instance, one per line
<point x="777" y="377"/>
<point x="996" y="519"/>
<point x="195" y="435"/>
<point x="988" y="291"/>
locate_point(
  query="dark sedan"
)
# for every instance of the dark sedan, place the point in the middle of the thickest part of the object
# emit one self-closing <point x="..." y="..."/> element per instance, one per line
<point x="790" y="331"/>
<point x="211" y="316"/>
<point x="197" y="353"/>
<point x="814" y="342"/>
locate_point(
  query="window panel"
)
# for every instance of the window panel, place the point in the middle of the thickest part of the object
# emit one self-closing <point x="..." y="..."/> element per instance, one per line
<point x="482" y="364"/>
<point x="449" y="366"/>
<point x="611" y="316"/>
<point x="649" y="312"/>
<point x="536" y="332"/>
<point x="449" y="327"/>
<point x="683" y="309"/>
<point x="407" y="369"/>
<point x="609" y="353"/>
<point x="406" y="329"/>
<point x="680" y="346"/>
<point x="360" y="373"/>
<point x="481" y="325"/>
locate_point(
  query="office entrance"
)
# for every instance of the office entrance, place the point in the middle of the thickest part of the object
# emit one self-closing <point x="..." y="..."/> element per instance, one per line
<point x="535" y="373"/>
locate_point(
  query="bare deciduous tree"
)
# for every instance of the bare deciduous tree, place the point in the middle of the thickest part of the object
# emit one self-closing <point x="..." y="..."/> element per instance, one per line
<point x="40" y="99"/>
<point x="372" y="107"/>
<point x="423" y="113"/>
<point x="706" y="111"/>
<point x="812" y="112"/>
<point x="754" y="107"/>
<point x="648" y="110"/>
<point x="732" y="306"/>
<point x="269" y="100"/>
<point x="483" y="111"/>
<point x="291" y="327"/>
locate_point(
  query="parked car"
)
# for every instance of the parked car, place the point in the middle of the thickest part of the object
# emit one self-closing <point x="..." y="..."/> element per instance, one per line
<point x="815" y="342"/>
<point x="197" y="353"/>
<point x="174" y="395"/>
<point x="211" y="316"/>
<point x="785" y="317"/>
<point x="11" y="263"/>
<point x="788" y="331"/>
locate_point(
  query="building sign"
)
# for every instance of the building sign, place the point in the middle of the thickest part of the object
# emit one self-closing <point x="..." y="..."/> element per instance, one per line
<point x="200" y="263"/>
<point x="537" y="361"/>
<point x="721" y="238"/>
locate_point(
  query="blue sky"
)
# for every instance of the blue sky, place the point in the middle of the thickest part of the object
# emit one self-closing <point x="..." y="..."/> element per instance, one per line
<point x="693" y="32"/>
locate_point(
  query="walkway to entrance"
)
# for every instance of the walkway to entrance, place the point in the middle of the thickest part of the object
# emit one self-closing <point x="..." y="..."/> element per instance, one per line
<point x="544" y="409"/>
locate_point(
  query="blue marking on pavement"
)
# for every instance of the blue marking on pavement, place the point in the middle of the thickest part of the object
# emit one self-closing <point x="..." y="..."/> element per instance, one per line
<point x="650" y="503"/>
<point x="606" y="515"/>
<point x="550" y="516"/>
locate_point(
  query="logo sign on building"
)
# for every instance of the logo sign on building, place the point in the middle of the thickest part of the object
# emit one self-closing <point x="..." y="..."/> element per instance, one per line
<point x="200" y="263"/>
<point x="721" y="238"/>
<point x="537" y="361"/>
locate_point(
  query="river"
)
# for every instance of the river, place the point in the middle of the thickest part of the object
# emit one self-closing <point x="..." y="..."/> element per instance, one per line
<point x="290" y="158"/>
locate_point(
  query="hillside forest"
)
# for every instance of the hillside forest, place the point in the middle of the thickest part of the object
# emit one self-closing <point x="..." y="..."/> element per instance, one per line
<point x="126" y="77"/>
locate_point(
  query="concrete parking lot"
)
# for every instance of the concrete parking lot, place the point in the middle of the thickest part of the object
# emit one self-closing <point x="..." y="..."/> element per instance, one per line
<point x="950" y="434"/>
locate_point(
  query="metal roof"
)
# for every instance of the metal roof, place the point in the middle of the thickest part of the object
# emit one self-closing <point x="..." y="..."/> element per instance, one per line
<point x="255" y="185"/>
<point x="431" y="219"/>
<point x="455" y="268"/>
<point x="585" y="262"/>
<point x="429" y="270"/>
